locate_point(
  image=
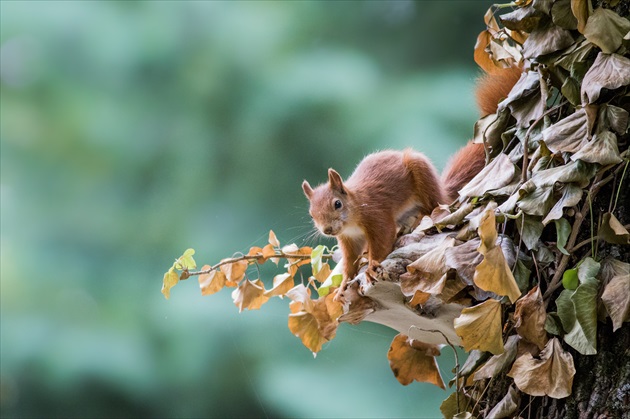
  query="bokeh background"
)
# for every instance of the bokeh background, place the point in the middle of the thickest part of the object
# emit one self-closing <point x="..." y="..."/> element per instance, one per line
<point x="131" y="131"/>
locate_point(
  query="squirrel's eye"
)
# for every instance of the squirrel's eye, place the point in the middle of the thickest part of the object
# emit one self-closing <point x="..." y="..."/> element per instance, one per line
<point x="337" y="204"/>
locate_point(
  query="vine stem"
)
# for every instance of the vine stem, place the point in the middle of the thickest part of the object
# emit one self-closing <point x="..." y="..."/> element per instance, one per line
<point x="277" y="254"/>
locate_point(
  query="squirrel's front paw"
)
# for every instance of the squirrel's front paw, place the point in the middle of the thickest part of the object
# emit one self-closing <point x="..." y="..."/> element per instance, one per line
<point x="374" y="271"/>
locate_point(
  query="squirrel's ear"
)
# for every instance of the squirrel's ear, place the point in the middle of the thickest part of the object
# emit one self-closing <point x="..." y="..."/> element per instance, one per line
<point x="308" y="191"/>
<point x="335" y="181"/>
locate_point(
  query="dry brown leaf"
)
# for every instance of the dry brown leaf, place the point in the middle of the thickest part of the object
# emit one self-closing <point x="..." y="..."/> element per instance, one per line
<point x="581" y="10"/>
<point x="282" y="284"/>
<point x="234" y="272"/>
<point x="304" y="325"/>
<point x="249" y="295"/>
<point x="268" y="252"/>
<point x="481" y="56"/>
<point x="551" y="375"/>
<point x="609" y="71"/>
<point x="493" y="273"/>
<point x="530" y="317"/>
<point x="273" y="240"/>
<point x="480" y="327"/>
<point x="499" y="363"/>
<point x="419" y="298"/>
<point x="359" y="307"/>
<point x="606" y="29"/>
<point x="428" y="273"/>
<point x="412" y="360"/>
<point x="211" y="282"/>
<point x="616" y="296"/>
<point x="613" y="231"/>
<point x="603" y="150"/>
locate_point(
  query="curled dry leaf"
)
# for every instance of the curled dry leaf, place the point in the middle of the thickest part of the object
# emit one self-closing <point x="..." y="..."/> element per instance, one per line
<point x="551" y="375"/>
<point x="568" y="134"/>
<point x="234" y="272"/>
<point x="507" y="407"/>
<point x="606" y="29"/>
<point x="609" y="71"/>
<point x="211" y="282"/>
<point x="282" y="284"/>
<point x="571" y="196"/>
<point x="428" y="273"/>
<point x="314" y="321"/>
<point x="256" y="251"/>
<point x="530" y="316"/>
<point x="616" y="296"/>
<point x="603" y="150"/>
<point x="480" y="327"/>
<point x="493" y="273"/>
<point x="411" y="360"/>
<point x="273" y="240"/>
<point x="499" y="363"/>
<point x="581" y="10"/>
<point x="613" y="231"/>
<point x="250" y="295"/>
<point x="545" y="40"/>
<point x="495" y="175"/>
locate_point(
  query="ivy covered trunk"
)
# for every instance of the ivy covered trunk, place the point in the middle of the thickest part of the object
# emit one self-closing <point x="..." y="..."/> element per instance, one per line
<point x="601" y="385"/>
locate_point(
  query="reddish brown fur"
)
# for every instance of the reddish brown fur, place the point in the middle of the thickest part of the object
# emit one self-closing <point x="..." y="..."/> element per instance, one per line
<point x="493" y="88"/>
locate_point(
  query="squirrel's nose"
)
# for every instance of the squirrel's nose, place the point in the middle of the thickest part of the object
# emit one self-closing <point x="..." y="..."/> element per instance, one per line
<point x="328" y="230"/>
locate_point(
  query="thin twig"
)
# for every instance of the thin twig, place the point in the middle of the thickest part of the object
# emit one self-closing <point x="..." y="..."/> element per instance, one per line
<point x="278" y="254"/>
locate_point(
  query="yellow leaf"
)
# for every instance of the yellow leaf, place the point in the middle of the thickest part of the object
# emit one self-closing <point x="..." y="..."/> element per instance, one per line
<point x="323" y="273"/>
<point x="170" y="280"/>
<point x="530" y="317"/>
<point x="412" y="360"/>
<point x="282" y="284"/>
<point x="211" y="282"/>
<point x="551" y="375"/>
<point x="186" y="260"/>
<point x="419" y="298"/>
<point x="249" y="295"/>
<point x="493" y="273"/>
<point x="304" y="325"/>
<point x="273" y="240"/>
<point x="234" y="272"/>
<point x="480" y="327"/>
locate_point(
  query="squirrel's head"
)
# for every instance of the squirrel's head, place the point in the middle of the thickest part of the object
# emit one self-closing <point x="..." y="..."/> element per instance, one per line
<point x="329" y="204"/>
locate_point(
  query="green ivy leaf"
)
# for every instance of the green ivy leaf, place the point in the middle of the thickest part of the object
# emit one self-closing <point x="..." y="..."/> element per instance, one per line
<point x="563" y="228"/>
<point x="570" y="279"/>
<point x="186" y="261"/>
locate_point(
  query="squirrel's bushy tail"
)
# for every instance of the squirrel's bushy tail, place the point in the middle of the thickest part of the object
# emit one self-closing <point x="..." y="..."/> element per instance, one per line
<point x="469" y="160"/>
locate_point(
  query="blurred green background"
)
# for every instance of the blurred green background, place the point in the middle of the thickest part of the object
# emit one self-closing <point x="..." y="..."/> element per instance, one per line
<point x="133" y="130"/>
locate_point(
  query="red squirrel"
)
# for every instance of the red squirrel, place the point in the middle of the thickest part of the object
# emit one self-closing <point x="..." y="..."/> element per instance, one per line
<point x="388" y="187"/>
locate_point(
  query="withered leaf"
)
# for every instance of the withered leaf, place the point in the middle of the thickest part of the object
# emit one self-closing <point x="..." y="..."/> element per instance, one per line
<point x="603" y="150"/>
<point x="493" y="273"/>
<point x="464" y="259"/>
<point x="480" y="327"/>
<point x="571" y="196"/>
<point x="250" y="295"/>
<point x="606" y="29"/>
<point x="578" y="172"/>
<point x="530" y="317"/>
<point x="495" y="175"/>
<point x="562" y="15"/>
<point x="616" y="296"/>
<point x="524" y="19"/>
<point x="428" y="273"/>
<point x="450" y="408"/>
<point x="530" y="228"/>
<point x="481" y="56"/>
<point x="419" y="298"/>
<point x="273" y="240"/>
<point x="499" y="363"/>
<point x="507" y="407"/>
<point x="568" y="134"/>
<point x="234" y="272"/>
<point x="614" y="117"/>
<point x="211" y="282"/>
<point x="257" y="251"/>
<point x="304" y="325"/>
<point x="581" y="10"/>
<point x="551" y="375"/>
<point x="411" y="360"/>
<point x="282" y="284"/>
<point x="609" y="71"/>
<point x="545" y="40"/>
<point x="613" y="231"/>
